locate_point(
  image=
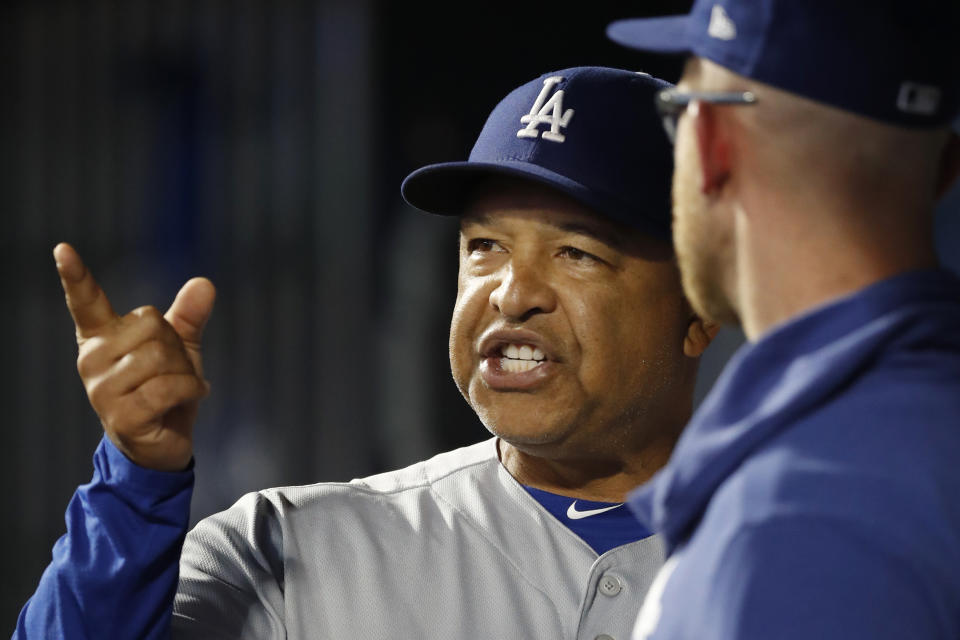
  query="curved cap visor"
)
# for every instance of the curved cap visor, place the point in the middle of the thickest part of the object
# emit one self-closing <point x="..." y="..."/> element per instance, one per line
<point x="446" y="188"/>
<point x="592" y="133"/>
<point x="666" y="34"/>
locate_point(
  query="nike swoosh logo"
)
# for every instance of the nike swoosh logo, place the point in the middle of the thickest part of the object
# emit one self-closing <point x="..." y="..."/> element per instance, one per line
<point x="574" y="514"/>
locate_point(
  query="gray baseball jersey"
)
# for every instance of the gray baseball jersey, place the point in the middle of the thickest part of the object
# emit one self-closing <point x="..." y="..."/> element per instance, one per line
<point x="452" y="547"/>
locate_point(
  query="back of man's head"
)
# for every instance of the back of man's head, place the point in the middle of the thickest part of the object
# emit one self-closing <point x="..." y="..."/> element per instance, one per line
<point x="888" y="60"/>
<point x="814" y="143"/>
<point x="857" y="94"/>
<point x="823" y="153"/>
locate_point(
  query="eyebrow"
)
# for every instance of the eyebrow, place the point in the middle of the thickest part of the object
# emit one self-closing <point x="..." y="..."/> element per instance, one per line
<point x="597" y="232"/>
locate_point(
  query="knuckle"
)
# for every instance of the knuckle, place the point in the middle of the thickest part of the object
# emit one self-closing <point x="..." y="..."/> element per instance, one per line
<point x="97" y="393"/>
<point x="87" y="362"/>
<point x="84" y="365"/>
<point x="90" y="350"/>
<point x="147" y="311"/>
<point x="149" y="316"/>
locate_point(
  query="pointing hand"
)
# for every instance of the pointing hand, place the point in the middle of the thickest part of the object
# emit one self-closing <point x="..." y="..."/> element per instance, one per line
<point x="142" y="371"/>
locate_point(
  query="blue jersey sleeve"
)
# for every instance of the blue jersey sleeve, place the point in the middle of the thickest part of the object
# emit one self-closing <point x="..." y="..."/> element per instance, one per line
<point x="114" y="573"/>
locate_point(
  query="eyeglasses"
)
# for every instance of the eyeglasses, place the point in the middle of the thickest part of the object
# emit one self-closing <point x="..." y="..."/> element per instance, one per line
<point x="671" y="103"/>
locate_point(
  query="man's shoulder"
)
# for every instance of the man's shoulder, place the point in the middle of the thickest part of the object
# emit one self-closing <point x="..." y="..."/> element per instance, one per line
<point x="883" y="470"/>
<point x="425" y="492"/>
<point x="465" y="460"/>
<point x="474" y="464"/>
<point x="838" y="517"/>
<point x="899" y="419"/>
<point x="896" y="420"/>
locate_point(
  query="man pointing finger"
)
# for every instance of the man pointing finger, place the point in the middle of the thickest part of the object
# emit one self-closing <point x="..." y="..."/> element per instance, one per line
<point x="143" y="372"/>
<point x="570" y="338"/>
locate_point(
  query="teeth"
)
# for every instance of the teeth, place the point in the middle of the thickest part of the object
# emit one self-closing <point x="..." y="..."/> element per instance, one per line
<point x="518" y="358"/>
<point x="517" y="366"/>
<point x="522" y="352"/>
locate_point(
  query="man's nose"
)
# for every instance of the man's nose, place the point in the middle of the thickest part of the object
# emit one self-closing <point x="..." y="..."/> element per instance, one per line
<point x="523" y="291"/>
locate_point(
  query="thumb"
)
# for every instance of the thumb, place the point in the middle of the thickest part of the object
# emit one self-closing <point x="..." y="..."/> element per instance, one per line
<point x="191" y="309"/>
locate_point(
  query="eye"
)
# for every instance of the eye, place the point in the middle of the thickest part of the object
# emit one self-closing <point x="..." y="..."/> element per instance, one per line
<point x="578" y="255"/>
<point x="482" y="245"/>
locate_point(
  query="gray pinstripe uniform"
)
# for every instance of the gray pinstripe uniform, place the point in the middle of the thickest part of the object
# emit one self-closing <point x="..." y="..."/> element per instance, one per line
<point x="449" y="548"/>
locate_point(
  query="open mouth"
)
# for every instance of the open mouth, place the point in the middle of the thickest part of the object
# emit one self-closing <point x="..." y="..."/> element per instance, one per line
<point x="518" y="358"/>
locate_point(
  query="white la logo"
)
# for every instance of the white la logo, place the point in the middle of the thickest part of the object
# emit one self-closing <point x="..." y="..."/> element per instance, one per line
<point x="547" y="112"/>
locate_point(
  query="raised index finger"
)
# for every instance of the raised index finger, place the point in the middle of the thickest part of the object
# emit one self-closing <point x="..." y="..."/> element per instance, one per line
<point x="86" y="301"/>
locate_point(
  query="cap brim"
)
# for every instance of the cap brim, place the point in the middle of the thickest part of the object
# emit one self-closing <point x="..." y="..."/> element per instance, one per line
<point x="446" y="188"/>
<point x="666" y="34"/>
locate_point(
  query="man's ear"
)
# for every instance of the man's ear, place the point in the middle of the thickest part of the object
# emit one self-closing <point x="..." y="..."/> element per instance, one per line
<point x="949" y="165"/>
<point x="700" y="333"/>
<point x="712" y="145"/>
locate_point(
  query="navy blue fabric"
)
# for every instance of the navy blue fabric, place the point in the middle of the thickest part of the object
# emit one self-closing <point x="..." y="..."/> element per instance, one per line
<point x="615" y="158"/>
<point x="847" y="53"/>
<point x="114" y="573"/>
<point x="602" y="531"/>
<point x="815" y="492"/>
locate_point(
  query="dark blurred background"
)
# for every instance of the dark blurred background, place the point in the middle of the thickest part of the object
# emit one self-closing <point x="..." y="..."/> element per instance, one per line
<point x="261" y="144"/>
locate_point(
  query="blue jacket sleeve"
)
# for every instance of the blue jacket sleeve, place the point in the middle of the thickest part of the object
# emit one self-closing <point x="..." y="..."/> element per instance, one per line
<point x="114" y="573"/>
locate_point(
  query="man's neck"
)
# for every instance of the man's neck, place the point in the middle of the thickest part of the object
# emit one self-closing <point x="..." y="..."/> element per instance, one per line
<point x="603" y="479"/>
<point x="785" y="271"/>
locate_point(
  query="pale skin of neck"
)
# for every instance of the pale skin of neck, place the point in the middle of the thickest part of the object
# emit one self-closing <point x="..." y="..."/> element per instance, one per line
<point x="797" y="255"/>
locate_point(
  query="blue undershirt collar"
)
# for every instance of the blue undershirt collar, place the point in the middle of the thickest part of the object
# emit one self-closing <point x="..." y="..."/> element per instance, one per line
<point x="602" y="525"/>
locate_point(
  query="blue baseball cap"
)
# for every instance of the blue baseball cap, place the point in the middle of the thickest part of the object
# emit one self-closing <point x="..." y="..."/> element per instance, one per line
<point x="894" y="61"/>
<point x="589" y="132"/>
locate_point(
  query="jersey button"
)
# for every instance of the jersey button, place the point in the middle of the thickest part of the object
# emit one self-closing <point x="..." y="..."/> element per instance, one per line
<point x="610" y="585"/>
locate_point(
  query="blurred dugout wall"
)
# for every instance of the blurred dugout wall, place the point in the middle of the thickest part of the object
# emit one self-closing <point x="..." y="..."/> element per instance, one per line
<point x="168" y="139"/>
